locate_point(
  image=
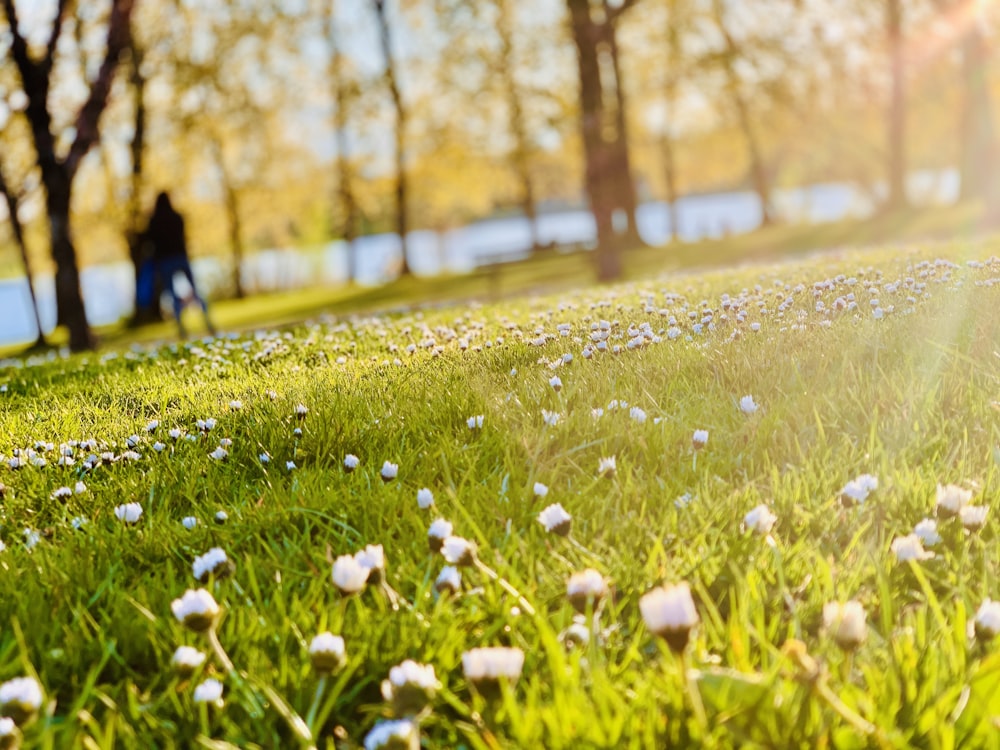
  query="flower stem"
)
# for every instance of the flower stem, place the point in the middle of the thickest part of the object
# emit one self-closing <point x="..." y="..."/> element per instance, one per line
<point x="690" y="677"/>
<point x="490" y="573"/>
<point x="316" y="701"/>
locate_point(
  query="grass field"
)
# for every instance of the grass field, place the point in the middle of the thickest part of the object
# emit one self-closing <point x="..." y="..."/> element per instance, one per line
<point x="876" y="377"/>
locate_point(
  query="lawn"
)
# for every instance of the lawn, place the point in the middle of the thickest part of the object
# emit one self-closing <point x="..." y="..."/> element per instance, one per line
<point x="874" y="379"/>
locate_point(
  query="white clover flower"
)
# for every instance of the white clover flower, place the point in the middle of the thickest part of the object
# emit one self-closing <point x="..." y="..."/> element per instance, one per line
<point x="210" y="691"/>
<point x="61" y="493"/>
<point x="327" y="652"/>
<point x="9" y="735"/>
<point x="973" y="517"/>
<point x="290" y="466"/>
<point x="159" y="447"/>
<point x="31" y="538"/>
<point x="301" y="410"/>
<point x="389" y="471"/>
<point x="607" y="466"/>
<point x="857" y="490"/>
<point x="410" y="687"/>
<point x="196" y="609"/>
<point x="987" y="621"/>
<point x="79" y="488"/>
<point x="475" y="422"/>
<point x="555" y="519"/>
<point x="132" y="440"/>
<point x="556" y="383"/>
<point x="264" y="458"/>
<point x="748" y="405"/>
<point x="349" y="575"/>
<point x="235" y="405"/>
<point x="215" y="562"/>
<point x="845" y="623"/>
<point x="760" y="519"/>
<point x="910" y="548"/>
<point x="551" y="418"/>
<point x="152" y="425"/>
<point x="485" y="667"/>
<point x="425" y="498"/>
<point x="175" y="433"/>
<point x="449" y="580"/>
<point x="587" y="585"/>
<point x="669" y="613"/>
<point x="458" y="551"/>
<point x="226" y="442"/>
<point x="20" y="699"/>
<point x="597" y="413"/>
<point x="927" y="531"/>
<point x="297" y="432"/>
<point x="700" y="439"/>
<point x="129" y="512"/>
<point x="540" y="490"/>
<point x="639" y="415"/>
<point x="439" y="530"/>
<point x="351" y="462"/>
<point x="186" y="660"/>
<point x="189" y="522"/>
<point x="372" y="558"/>
<point x="221" y="516"/>
<point x="395" y="734"/>
<point x="951" y="499"/>
<point x="78" y="522"/>
<point x="219" y="454"/>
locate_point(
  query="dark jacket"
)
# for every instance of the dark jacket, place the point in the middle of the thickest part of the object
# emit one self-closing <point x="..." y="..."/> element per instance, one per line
<point x="166" y="231"/>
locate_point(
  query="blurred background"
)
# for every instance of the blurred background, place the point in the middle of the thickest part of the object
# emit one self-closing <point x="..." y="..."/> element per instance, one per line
<point x="349" y="144"/>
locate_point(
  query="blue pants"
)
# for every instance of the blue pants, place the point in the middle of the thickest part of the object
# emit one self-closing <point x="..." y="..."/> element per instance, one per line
<point x="168" y="268"/>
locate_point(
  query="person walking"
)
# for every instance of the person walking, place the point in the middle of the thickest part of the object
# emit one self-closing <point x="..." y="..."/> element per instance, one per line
<point x="165" y="234"/>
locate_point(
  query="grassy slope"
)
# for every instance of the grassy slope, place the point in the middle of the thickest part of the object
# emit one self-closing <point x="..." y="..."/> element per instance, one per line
<point x="911" y="398"/>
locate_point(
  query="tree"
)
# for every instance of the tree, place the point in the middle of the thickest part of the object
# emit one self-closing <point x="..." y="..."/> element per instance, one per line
<point x="674" y="53"/>
<point x="12" y="200"/>
<point x="608" y="178"/>
<point x="58" y="172"/>
<point x="896" y="114"/>
<point x="392" y="84"/>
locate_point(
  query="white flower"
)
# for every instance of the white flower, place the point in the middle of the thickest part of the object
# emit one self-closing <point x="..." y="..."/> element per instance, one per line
<point x="351" y="462"/>
<point x="221" y="516"/>
<point x="264" y="458"/>
<point x="189" y="522"/>
<point x="210" y="691"/>
<point x="637" y="414"/>
<point x="410" y="687"/>
<point x="235" y="405"/>
<point x="132" y="440"/>
<point x="186" y="660"/>
<point x="175" y="433"/>
<point x="290" y="466"/>
<point x="587" y="585"/>
<point x="389" y="471"/>
<point x="212" y="563"/>
<point x="78" y="522"/>
<point x="61" y="492"/>
<point x="475" y="422"/>
<point x="540" y="490"/>
<point x="219" y="454"/>
<point x="950" y="499"/>
<point x="349" y="575"/>
<point x="857" y="490"/>
<point x="845" y="623"/>
<point x="205" y="424"/>
<point x="226" y="442"/>
<point x="910" y="548"/>
<point x="79" y="488"/>
<point x="973" y="516"/>
<point x="31" y="538"/>
<point x="669" y="612"/>
<point x="449" y="579"/>
<point x="486" y="665"/>
<point x="425" y="498"/>
<point x="129" y="512"/>
<point x="327" y="652"/>
<point x="458" y="551"/>
<point x="556" y="383"/>
<point x="700" y="439"/>
<point x="439" y="530"/>
<point x="927" y="531"/>
<point x="20" y="698"/>
<point x="397" y="734"/>
<point x="159" y="447"/>
<point x="372" y="558"/>
<point x="760" y="519"/>
<point x="151" y="426"/>
<point x="301" y="410"/>
<point x="748" y="405"/>
<point x="197" y="609"/>
<point x="8" y="732"/>
<point x="606" y="467"/>
<point x="555" y="519"/>
<point x="988" y="619"/>
<point x="551" y="418"/>
<point x="597" y="413"/>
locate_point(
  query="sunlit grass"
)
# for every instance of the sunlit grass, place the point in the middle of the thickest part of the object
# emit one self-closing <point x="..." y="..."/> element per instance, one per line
<point x="911" y="398"/>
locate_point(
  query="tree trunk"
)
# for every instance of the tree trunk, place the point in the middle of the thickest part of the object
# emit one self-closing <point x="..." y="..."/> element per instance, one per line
<point x="69" y="300"/>
<point x="670" y="100"/>
<point x="896" y="125"/>
<point x="978" y="143"/>
<point x="670" y="177"/>
<point x="520" y="155"/>
<point x="235" y="237"/>
<point x="18" y="230"/>
<point x="758" y="172"/>
<point x="600" y="182"/>
<point x="400" y="133"/>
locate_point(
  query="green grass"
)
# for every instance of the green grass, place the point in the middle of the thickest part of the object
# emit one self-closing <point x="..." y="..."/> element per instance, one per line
<point x="911" y="398"/>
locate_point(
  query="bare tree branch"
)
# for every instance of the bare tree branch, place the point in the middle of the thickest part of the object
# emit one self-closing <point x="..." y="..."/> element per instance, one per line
<point x="615" y="13"/>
